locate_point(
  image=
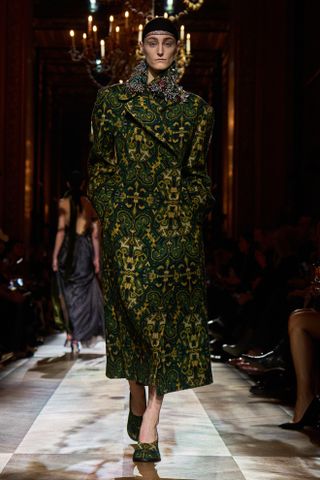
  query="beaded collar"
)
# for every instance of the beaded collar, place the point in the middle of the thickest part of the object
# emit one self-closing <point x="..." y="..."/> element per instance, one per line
<point x="164" y="86"/>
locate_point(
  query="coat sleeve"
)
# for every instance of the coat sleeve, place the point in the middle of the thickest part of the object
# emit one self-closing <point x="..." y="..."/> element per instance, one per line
<point x="196" y="183"/>
<point x="102" y="163"/>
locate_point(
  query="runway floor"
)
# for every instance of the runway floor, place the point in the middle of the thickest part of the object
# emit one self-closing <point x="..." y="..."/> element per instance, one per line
<point x="61" y="418"/>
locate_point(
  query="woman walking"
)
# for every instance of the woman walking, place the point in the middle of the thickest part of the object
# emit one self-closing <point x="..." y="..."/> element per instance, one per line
<point x="76" y="262"/>
<point x="149" y="185"/>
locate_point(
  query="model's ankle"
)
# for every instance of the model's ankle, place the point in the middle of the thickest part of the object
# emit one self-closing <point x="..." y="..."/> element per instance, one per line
<point x="148" y="433"/>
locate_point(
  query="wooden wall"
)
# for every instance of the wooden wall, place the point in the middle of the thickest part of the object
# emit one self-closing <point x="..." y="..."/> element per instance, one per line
<point x="16" y="117"/>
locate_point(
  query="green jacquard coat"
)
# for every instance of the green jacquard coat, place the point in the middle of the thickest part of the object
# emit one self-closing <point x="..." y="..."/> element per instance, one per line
<point x="148" y="183"/>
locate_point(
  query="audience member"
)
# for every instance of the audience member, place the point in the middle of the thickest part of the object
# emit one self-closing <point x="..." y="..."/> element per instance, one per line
<point x="304" y="335"/>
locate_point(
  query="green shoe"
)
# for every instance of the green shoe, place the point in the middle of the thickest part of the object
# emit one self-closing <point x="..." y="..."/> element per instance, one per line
<point x="147" y="452"/>
<point x="134" y="424"/>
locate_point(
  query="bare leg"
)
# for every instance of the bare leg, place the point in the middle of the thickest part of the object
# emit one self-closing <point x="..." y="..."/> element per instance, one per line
<point x="138" y="398"/>
<point x="148" y="430"/>
<point x="304" y="329"/>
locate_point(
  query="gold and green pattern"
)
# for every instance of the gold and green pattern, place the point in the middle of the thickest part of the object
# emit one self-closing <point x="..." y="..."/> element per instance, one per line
<point x="149" y="185"/>
<point x="147" y="452"/>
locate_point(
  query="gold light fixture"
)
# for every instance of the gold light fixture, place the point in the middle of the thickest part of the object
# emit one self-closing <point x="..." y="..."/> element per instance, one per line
<point x="193" y="4"/>
<point x="110" y="49"/>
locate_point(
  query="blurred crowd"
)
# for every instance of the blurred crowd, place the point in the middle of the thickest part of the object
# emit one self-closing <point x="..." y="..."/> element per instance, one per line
<point x="254" y="286"/>
<point x="25" y="305"/>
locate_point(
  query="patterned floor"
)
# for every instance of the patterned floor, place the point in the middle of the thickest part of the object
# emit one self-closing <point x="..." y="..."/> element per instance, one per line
<point x="62" y="419"/>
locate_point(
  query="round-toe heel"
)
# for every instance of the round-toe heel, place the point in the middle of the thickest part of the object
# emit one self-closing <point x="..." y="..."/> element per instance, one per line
<point x="292" y="426"/>
<point x="147" y="452"/>
<point x="133" y="424"/>
<point x="310" y="418"/>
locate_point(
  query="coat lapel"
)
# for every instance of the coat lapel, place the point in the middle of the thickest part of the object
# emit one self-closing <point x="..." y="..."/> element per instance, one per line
<point x="148" y="112"/>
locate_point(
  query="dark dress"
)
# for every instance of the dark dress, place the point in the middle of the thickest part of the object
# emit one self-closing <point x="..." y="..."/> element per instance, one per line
<point x="81" y="291"/>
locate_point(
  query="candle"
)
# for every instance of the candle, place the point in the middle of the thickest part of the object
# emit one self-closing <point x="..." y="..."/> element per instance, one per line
<point x="111" y="20"/>
<point x="102" y="49"/>
<point x="182" y="33"/>
<point x="73" y="42"/>
<point x="95" y="35"/>
<point x="84" y="41"/>
<point x="89" y="24"/>
<point x="188" y="44"/>
<point x="117" y="33"/>
<point x="166" y="15"/>
<point x="140" y="33"/>
<point x="126" y="14"/>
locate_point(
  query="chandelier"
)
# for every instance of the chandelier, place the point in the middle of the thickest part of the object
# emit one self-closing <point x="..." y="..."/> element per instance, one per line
<point x="110" y="46"/>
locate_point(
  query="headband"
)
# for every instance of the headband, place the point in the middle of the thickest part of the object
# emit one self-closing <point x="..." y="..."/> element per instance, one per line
<point x="160" y="24"/>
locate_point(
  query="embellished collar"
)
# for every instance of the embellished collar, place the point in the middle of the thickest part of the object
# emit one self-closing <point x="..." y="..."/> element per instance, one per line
<point x="164" y="86"/>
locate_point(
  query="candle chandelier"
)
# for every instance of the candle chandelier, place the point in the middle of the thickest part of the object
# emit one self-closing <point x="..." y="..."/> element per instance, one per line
<point x="110" y="46"/>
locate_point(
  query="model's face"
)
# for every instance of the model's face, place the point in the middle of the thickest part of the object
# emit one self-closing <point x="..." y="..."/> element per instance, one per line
<point x="159" y="50"/>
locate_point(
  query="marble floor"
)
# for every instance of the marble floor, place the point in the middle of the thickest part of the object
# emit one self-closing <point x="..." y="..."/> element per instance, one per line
<point x="60" y="418"/>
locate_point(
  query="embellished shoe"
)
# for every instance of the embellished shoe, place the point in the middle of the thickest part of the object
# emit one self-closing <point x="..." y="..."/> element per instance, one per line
<point x="134" y="424"/>
<point x="147" y="452"/>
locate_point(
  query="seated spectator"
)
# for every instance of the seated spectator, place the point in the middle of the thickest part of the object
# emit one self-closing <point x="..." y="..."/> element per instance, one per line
<point x="23" y="302"/>
<point x="304" y="335"/>
<point x="262" y="320"/>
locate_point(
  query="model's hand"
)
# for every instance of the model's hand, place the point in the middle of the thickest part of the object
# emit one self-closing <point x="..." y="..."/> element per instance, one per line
<point x="55" y="264"/>
<point x="96" y="263"/>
